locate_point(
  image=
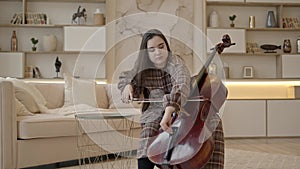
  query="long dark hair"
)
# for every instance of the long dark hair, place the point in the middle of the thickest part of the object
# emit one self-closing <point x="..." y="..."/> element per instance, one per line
<point x="143" y="60"/>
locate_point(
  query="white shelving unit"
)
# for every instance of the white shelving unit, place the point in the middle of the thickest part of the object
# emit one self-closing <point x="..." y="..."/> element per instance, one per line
<point x="60" y="15"/>
<point x="266" y="105"/>
<point x="265" y="65"/>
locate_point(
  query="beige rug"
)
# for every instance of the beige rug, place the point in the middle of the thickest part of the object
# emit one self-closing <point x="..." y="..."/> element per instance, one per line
<point x="234" y="159"/>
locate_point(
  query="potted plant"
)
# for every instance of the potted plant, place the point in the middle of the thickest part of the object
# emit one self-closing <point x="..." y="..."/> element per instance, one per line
<point x="34" y="42"/>
<point x="232" y="18"/>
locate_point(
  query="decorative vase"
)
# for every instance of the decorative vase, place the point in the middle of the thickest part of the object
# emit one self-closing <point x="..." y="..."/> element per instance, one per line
<point x="271" y="22"/>
<point x="287" y="46"/>
<point x="251" y="21"/>
<point x="99" y="18"/>
<point x="49" y="42"/>
<point x="214" y="19"/>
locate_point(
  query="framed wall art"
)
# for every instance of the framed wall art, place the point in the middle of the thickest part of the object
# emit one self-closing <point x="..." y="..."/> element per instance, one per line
<point x="248" y="72"/>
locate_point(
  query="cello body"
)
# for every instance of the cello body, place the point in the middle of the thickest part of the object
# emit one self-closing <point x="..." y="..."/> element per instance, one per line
<point x="193" y="142"/>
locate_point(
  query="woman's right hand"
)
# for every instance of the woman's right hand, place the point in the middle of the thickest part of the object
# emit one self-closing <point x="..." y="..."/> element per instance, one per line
<point x="127" y="94"/>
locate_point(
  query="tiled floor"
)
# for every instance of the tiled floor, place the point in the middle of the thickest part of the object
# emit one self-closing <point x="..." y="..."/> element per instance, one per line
<point x="241" y="159"/>
<point x="234" y="159"/>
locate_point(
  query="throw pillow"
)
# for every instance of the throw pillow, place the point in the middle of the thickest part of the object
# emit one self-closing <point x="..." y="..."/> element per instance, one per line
<point x="101" y="96"/>
<point x="37" y="95"/>
<point x="26" y="99"/>
<point x="79" y="91"/>
<point x="21" y="109"/>
<point x="114" y="98"/>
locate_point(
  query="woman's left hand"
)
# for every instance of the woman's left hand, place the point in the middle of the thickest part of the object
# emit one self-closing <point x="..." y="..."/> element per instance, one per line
<point x="165" y="123"/>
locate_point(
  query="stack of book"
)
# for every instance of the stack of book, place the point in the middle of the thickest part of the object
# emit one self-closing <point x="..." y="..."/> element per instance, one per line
<point x="290" y="23"/>
<point x="17" y="19"/>
<point x="30" y="18"/>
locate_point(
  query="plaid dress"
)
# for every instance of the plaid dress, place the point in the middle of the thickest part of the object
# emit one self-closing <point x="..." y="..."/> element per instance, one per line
<point x="171" y="84"/>
<point x="217" y="159"/>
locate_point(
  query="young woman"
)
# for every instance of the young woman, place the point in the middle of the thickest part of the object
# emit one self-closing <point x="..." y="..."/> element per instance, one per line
<point x="159" y="75"/>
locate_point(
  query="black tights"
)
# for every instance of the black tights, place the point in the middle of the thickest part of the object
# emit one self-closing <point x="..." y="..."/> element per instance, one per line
<point x="145" y="163"/>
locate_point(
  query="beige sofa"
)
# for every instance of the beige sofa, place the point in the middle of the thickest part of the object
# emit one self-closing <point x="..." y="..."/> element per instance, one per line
<point x="43" y="138"/>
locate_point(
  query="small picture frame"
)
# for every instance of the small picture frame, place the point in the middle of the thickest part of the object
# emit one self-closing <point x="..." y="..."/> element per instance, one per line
<point x="248" y="72"/>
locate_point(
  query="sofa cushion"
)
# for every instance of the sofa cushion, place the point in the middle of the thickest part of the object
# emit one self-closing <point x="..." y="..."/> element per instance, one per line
<point x="57" y="125"/>
<point x="53" y="92"/>
<point x="79" y="91"/>
<point x="46" y="125"/>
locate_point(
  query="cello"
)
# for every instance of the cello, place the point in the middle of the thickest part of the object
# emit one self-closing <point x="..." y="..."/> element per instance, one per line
<point x="191" y="144"/>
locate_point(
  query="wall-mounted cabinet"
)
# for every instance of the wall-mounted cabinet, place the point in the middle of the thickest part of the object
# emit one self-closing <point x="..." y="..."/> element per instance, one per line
<point x="262" y="108"/>
<point x="245" y="118"/>
<point x="58" y="21"/>
<point x="291" y="66"/>
<point x="225" y="0"/>
<point x="283" y="118"/>
<point x="256" y="1"/>
<point x="77" y="38"/>
<point x="261" y="118"/>
<point x="11" y="64"/>
<point x="274" y="1"/>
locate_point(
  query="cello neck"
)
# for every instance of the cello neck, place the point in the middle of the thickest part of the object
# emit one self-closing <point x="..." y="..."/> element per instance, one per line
<point x="218" y="48"/>
<point x="203" y="71"/>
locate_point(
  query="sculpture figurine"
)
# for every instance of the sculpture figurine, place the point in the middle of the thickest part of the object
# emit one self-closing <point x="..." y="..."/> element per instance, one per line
<point x="270" y="48"/>
<point x="78" y="15"/>
<point x="57" y="66"/>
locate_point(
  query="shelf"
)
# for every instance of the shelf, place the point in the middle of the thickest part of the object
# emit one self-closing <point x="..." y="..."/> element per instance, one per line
<point x="11" y="0"/>
<point x="77" y="1"/>
<point x="258" y="29"/>
<point x="243" y="4"/>
<point x="262" y="88"/>
<point x="57" y="80"/>
<point x="52" y="52"/>
<point x="31" y="25"/>
<point x="293" y="82"/>
<point x="61" y="52"/>
<point x="45" y="25"/>
<point x="250" y="54"/>
<point x="83" y="1"/>
<point x="257" y="54"/>
<point x="255" y="4"/>
<point x="272" y="29"/>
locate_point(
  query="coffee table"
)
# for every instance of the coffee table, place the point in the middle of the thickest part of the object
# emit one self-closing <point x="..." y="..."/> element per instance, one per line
<point x="106" y="139"/>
